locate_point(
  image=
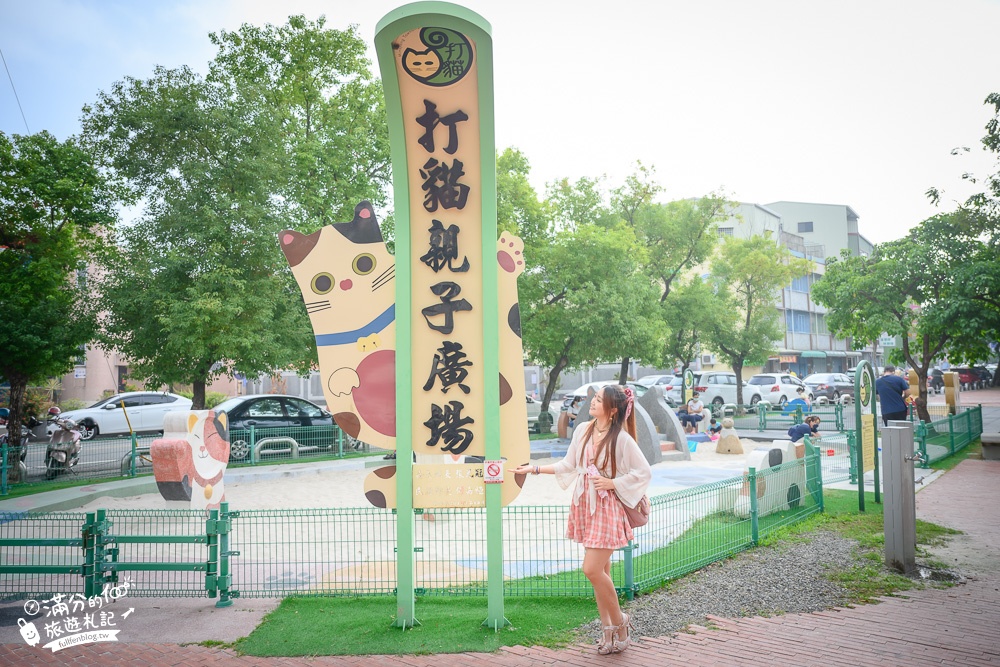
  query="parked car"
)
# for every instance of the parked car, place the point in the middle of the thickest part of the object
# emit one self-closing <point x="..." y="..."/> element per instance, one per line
<point x="276" y="416"/>
<point x="583" y="390"/>
<point x="830" y="385"/>
<point x="717" y="388"/>
<point x="534" y="410"/>
<point x="661" y="380"/>
<point x="779" y="388"/>
<point x="968" y="377"/>
<point x="145" y="410"/>
<point x="985" y="376"/>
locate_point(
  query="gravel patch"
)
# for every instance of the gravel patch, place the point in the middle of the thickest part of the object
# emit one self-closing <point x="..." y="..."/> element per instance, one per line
<point x="789" y="577"/>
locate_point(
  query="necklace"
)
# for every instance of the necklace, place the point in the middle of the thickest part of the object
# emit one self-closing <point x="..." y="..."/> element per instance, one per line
<point x="601" y="431"/>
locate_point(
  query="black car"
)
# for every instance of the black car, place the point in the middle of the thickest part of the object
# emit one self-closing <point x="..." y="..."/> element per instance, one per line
<point x="277" y="422"/>
<point x="830" y="385"/>
<point x="935" y="380"/>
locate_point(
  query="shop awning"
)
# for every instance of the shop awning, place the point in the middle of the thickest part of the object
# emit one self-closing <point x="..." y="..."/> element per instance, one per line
<point x="835" y="353"/>
<point x="814" y="353"/>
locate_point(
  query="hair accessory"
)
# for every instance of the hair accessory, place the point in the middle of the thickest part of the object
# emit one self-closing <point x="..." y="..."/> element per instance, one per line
<point x="629" y="399"/>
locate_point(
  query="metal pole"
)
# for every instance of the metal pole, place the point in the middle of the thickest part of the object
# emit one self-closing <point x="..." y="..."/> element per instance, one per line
<point x="899" y="511"/>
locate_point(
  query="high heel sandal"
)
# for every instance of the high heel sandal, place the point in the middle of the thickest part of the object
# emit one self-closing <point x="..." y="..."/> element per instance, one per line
<point x="606" y="644"/>
<point x="619" y="645"/>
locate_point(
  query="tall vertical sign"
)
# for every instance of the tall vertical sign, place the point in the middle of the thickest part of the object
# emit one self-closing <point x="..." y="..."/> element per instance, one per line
<point x="866" y="430"/>
<point x="437" y="71"/>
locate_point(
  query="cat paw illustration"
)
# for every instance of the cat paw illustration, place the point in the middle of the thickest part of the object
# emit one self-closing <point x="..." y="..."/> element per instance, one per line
<point x="343" y="381"/>
<point x="370" y="343"/>
<point x="510" y="254"/>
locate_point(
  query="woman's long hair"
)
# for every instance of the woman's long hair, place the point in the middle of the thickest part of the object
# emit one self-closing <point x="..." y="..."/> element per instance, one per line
<point x="616" y="405"/>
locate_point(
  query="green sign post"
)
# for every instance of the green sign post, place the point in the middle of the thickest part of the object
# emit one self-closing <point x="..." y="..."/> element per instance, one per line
<point x="866" y="429"/>
<point x="436" y="61"/>
<point x="688" y="386"/>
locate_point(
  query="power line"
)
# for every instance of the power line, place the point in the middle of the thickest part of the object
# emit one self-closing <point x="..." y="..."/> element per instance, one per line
<point x="11" y="79"/>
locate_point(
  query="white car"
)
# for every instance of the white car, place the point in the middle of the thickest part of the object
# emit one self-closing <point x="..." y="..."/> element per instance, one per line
<point x="717" y="388"/>
<point x="779" y="388"/>
<point x="660" y="380"/>
<point x="145" y="410"/>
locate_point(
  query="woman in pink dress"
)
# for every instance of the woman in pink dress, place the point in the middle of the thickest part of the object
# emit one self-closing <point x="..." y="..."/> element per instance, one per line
<point x="608" y="469"/>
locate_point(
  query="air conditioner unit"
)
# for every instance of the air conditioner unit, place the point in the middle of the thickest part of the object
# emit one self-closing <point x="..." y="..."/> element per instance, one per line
<point x="707" y="359"/>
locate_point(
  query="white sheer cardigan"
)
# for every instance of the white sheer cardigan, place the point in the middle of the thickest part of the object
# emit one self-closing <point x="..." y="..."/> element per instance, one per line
<point x="633" y="472"/>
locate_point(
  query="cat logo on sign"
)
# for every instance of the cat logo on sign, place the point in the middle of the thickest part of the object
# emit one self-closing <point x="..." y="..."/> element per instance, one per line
<point x="865" y="391"/>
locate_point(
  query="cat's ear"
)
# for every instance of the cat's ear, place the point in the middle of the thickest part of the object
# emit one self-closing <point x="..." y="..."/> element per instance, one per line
<point x="297" y="246"/>
<point x="364" y="227"/>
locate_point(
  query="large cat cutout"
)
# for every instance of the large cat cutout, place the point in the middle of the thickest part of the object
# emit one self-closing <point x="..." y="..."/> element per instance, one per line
<point x="346" y="277"/>
<point x="190" y="460"/>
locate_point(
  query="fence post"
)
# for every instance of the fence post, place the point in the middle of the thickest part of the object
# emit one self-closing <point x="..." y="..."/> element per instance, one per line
<point x="89" y="562"/>
<point x="754" y="524"/>
<point x="225" y="579"/>
<point x="951" y="434"/>
<point x="3" y="469"/>
<point x="838" y="416"/>
<point x="920" y="435"/>
<point x="852" y="450"/>
<point x="253" y="445"/>
<point x="761" y="417"/>
<point x="629" y="568"/>
<point x="132" y="464"/>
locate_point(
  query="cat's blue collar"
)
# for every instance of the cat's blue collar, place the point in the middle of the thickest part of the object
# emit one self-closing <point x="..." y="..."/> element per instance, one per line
<point x="375" y="326"/>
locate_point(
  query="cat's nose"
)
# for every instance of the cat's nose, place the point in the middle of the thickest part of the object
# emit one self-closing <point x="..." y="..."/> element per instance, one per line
<point x="346" y="285"/>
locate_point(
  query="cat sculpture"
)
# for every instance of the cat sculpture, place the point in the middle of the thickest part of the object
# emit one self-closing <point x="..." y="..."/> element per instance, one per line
<point x="189" y="461"/>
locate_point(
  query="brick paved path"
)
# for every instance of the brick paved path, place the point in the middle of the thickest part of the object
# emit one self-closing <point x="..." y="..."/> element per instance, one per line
<point x="955" y="626"/>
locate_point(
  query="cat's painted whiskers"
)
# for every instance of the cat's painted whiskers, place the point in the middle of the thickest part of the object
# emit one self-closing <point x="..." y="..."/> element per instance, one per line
<point x="384" y="277"/>
<point x="316" y="306"/>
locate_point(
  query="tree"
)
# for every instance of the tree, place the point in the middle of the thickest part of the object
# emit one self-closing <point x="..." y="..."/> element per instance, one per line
<point x="978" y="217"/>
<point x="689" y="315"/>
<point x="54" y="206"/>
<point x="287" y="130"/>
<point x="519" y="210"/>
<point x="584" y="300"/>
<point x="746" y="275"/>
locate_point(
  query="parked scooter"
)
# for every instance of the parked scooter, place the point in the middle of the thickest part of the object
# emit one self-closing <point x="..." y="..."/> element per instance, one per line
<point x="63" y="451"/>
<point x="26" y="435"/>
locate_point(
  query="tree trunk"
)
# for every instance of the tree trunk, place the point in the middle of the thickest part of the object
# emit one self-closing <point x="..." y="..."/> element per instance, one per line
<point x="18" y="385"/>
<point x="921" y="398"/>
<point x="198" y="401"/>
<point x="623" y="372"/>
<point x="550" y="388"/>
<point x="738" y="370"/>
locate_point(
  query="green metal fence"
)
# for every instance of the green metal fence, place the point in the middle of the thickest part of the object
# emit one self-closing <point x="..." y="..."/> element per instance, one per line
<point x="128" y="456"/>
<point x="351" y="551"/>
<point x="940" y="439"/>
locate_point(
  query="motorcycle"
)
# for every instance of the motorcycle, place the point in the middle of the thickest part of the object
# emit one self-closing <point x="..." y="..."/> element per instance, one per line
<point x="26" y="435"/>
<point x="63" y="451"/>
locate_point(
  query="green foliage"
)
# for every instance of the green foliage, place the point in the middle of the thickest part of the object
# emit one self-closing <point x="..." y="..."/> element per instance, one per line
<point x="746" y="275"/>
<point x="286" y="130"/>
<point x="364" y="626"/>
<point x="212" y="398"/>
<point x="519" y="210"/>
<point x="930" y="288"/>
<point x="689" y="314"/>
<point x="54" y="204"/>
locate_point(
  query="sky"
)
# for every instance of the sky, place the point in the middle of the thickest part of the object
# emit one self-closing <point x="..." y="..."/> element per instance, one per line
<point x="856" y="102"/>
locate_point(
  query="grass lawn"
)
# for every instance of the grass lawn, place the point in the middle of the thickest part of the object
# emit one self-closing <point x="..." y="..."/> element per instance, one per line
<point x="364" y="626"/>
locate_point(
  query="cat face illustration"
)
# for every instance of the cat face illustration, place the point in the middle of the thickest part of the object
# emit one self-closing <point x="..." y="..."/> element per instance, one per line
<point x="345" y="285"/>
<point x="421" y="64"/>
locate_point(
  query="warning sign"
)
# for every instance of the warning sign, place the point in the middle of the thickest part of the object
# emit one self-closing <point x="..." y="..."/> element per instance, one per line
<point x="494" y="472"/>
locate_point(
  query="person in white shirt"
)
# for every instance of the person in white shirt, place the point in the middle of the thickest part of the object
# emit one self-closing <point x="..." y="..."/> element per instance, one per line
<point x="693" y="416"/>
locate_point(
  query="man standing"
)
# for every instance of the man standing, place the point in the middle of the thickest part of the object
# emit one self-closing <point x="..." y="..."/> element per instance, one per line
<point x="891" y="390"/>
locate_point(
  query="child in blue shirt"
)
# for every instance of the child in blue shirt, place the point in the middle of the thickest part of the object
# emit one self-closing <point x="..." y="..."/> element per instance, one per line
<point x="714" y="428"/>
